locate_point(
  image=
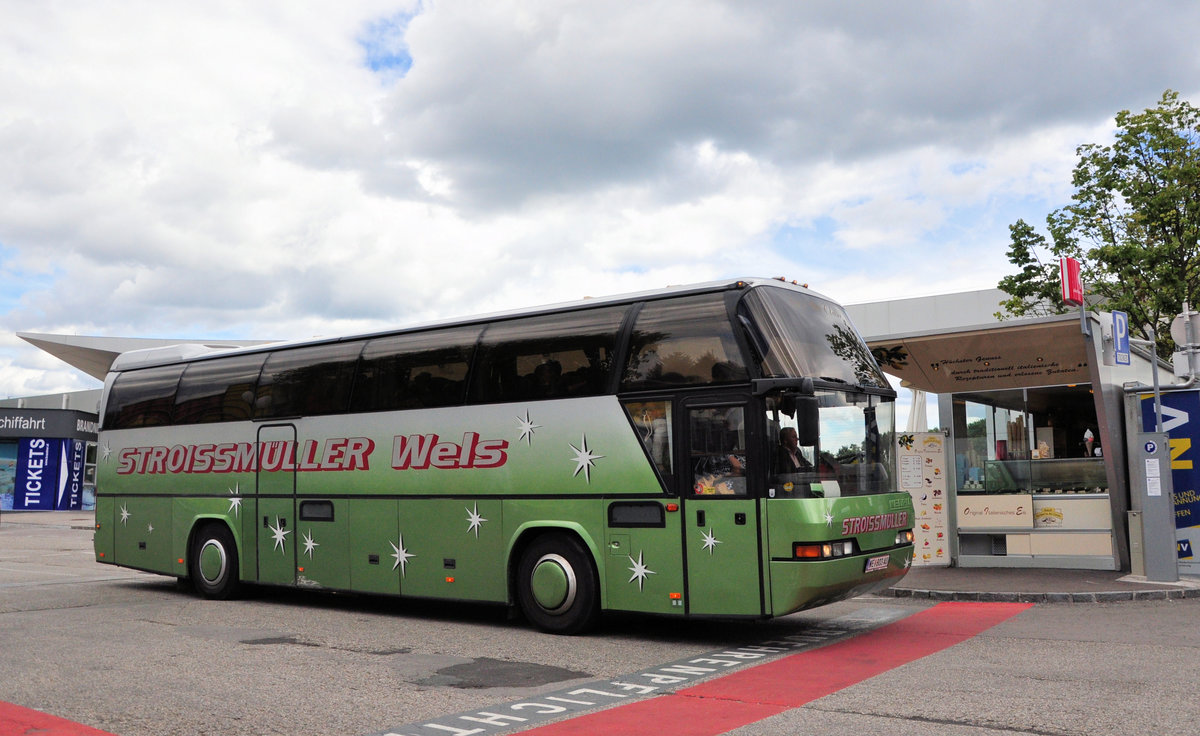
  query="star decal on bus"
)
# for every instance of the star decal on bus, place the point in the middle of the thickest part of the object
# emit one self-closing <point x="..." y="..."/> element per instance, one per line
<point x="279" y="534"/>
<point x="149" y="528"/>
<point x="310" y="544"/>
<point x="907" y="562"/>
<point x="474" y="521"/>
<point x="828" y="518"/>
<point x="235" y="503"/>
<point x="525" y="427"/>
<point x="584" y="459"/>
<point x="401" y="556"/>
<point x="105" y="452"/>
<point x="710" y="541"/>
<point x="124" y="514"/>
<point x="639" y="570"/>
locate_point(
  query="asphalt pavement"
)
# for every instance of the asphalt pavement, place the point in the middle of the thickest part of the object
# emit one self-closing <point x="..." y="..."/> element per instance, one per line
<point x="131" y="654"/>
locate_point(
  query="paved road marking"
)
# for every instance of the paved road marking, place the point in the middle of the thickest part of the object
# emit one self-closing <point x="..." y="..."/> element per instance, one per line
<point x="18" y="721"/>
<point x="736" y="700"/>
<point x="653" y="681"/>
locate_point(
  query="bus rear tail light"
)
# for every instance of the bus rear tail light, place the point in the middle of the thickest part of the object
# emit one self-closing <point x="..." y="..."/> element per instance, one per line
<point x="905" y="536"/>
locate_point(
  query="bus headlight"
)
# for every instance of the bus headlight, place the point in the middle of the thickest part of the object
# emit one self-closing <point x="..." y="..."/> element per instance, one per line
<point x="822" y="550"/>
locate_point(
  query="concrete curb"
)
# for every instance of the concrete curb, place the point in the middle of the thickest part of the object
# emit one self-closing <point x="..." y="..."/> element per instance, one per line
<point x="1116" y="596"/>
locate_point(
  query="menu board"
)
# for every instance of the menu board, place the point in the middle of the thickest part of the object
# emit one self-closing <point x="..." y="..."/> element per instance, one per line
<point x="922" y="465"/>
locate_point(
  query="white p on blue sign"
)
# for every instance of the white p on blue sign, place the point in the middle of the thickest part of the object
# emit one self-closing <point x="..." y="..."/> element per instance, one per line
<point x="1121" y="337"/>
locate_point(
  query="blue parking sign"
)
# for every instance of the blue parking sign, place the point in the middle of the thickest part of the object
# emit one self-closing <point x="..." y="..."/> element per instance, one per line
<point x="1121" y="337"/>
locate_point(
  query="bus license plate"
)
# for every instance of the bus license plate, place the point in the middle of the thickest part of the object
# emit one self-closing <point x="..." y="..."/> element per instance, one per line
<point x="874" y="564"/>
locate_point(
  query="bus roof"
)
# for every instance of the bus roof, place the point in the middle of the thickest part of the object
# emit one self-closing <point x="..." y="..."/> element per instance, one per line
<point x="189" y="352"/>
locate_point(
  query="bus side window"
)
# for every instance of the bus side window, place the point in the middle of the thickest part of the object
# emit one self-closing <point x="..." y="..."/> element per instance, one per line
<point x="683" y="342"/>
<point x="307" y="381"/>
<point x="142" y="398"/>
<point x="652" y="421"/>
<point x="546" y="357"/>
<point x="219" y="390"/>
<point x="718" y="453"/>
<point x="414" y="371"/>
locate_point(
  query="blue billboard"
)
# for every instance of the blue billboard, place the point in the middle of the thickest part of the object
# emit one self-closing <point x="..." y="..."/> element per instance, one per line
<point x="36" y="483"/>
<point x="1181" y="422"/>
<point x="70" y="477"/>
<point x="43" y="474"/>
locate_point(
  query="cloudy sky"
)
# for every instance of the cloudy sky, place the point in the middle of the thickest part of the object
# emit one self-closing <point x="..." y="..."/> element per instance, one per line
<point x="278" y="169"/>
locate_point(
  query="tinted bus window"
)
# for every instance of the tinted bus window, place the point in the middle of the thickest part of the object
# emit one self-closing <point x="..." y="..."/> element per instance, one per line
<point x="142" y="398"/>
<point x="220" y="390"/>
<point x="546" y="357"/>
<point x="682" y="342"/>
<point x="414" y="371"/>
<point x="307" y="381"/>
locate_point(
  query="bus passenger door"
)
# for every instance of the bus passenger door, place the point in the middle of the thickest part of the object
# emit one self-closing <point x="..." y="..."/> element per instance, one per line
<point x="276" y="522"/>
<point x="720" y="511"/>
<point x="642" y="567"/>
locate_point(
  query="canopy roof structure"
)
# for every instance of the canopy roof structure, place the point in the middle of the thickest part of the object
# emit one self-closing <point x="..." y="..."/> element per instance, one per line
<point x="955" y="343"/>
<point x="95" y="355"/>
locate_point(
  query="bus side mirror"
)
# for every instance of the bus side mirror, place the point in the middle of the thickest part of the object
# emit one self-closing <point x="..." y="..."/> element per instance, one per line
<point x="808" y="424"/>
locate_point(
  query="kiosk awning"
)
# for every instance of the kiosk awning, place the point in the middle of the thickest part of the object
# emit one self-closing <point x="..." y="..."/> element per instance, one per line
<point x="1001" y="356"/>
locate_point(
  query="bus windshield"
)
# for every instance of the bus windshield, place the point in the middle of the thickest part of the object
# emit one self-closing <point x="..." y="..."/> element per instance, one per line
<point x="848" y="453"/>
<point x="798" y="334"/>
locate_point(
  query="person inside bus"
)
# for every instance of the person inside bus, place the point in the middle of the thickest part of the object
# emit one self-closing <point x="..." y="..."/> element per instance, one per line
<point x="788" y="458"/>
<point x="547" y="379"/>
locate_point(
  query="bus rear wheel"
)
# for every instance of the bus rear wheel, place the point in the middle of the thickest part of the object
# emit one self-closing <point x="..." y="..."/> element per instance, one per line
<point x="213" y="562"/>
<point x="556" y="585"/>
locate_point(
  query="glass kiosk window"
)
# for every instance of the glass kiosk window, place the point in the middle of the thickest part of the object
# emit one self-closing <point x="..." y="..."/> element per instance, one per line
<point x="1042" y="440"/>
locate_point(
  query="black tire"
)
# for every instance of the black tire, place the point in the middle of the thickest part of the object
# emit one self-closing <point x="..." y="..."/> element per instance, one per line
<point x="213" y="562"/>
<point x="557" y="585"/>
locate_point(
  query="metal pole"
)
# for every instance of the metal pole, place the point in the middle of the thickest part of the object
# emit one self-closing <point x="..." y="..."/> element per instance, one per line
<point x="1153" y="372"/>
<point x="1157" y="389"/>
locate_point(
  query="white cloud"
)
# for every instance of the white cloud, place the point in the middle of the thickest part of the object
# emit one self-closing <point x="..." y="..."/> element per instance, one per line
<point x="282" y="170"/>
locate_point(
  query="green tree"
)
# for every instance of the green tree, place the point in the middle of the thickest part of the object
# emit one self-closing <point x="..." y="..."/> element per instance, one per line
<point x="1133" y="224"/>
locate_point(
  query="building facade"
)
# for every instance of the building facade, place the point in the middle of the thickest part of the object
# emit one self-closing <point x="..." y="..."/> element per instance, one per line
<point x="48" y="452"/>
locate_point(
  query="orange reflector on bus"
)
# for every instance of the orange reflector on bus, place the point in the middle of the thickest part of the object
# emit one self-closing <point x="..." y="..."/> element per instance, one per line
<point x="101" y="554"/>
<point x="300" y="569"/>
<point x="676" y="596"/>
<point x="808" y="551"/>
<point x="179" y="561"/>
<point x="672" y="507"/>
<point x="449" y="580"/>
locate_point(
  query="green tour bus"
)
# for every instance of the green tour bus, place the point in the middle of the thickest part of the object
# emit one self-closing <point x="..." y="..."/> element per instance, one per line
<point x="717" y="450"/>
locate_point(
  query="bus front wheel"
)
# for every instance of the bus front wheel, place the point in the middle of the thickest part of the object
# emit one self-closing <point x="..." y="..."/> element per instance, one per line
<point x="556" y="585"/>
<point x="213" y="565"/>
